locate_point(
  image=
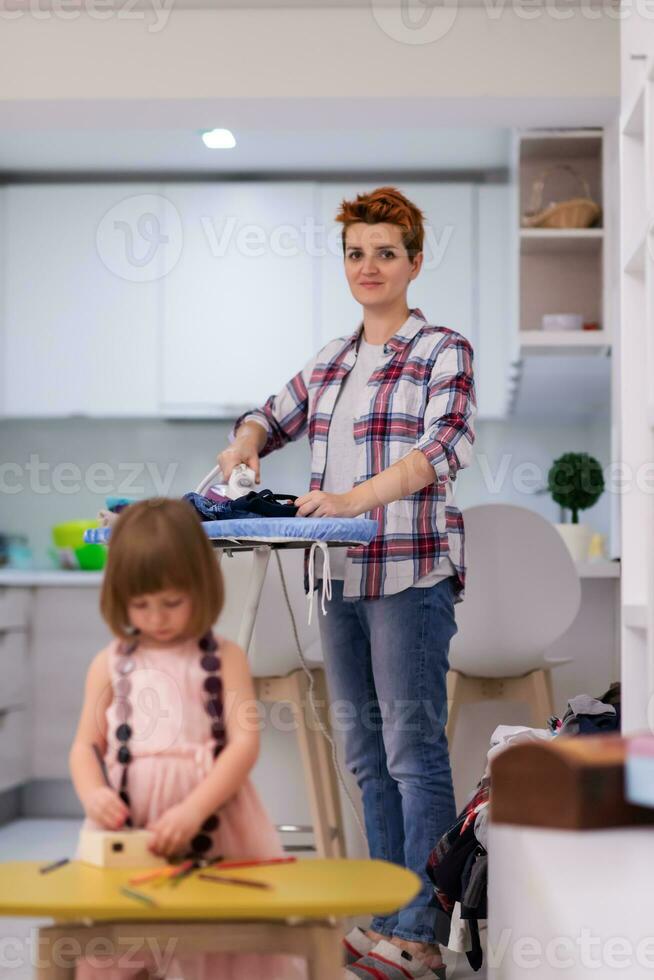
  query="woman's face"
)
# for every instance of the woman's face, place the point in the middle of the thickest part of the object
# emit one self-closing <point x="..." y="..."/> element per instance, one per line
<point x="377" y="265"/>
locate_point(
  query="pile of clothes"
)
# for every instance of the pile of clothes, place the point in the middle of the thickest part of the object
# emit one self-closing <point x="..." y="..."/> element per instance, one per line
<point x="590" y="716"/>
<point x="214" y="506"/>
<point x="458" y="869"/>
<point x="458" y="865"/>
<point x="257" y="503"/>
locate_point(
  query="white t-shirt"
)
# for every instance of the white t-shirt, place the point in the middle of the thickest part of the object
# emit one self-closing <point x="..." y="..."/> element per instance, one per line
<point x="340" y="468"/>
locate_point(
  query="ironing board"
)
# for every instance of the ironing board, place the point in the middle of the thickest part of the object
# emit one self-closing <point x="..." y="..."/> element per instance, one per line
<point x="262" y="535"/>
<point x="301" y="916"/>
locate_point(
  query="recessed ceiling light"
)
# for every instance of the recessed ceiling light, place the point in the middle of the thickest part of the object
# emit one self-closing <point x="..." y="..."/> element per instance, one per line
<point x="219" y="139"/>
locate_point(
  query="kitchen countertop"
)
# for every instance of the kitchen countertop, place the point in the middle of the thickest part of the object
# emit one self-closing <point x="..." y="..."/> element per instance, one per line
<point x="31" y="578"/>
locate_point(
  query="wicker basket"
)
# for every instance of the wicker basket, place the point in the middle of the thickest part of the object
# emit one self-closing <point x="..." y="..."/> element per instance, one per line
<point x="576" y="212"/>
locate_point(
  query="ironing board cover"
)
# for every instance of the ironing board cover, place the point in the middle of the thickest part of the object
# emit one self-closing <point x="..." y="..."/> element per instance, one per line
<point x="315" y="532"/>
<point x="335" y="530"/>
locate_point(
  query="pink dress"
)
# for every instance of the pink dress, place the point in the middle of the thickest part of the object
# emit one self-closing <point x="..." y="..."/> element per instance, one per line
<point x="172" y="751"/>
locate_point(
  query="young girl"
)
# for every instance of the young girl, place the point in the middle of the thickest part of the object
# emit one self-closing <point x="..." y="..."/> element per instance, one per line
<point x="169" y="705"/>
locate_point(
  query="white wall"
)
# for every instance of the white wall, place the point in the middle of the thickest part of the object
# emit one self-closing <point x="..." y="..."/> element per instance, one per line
<point x="496" y="51"/>
<point x="148" y="457"/>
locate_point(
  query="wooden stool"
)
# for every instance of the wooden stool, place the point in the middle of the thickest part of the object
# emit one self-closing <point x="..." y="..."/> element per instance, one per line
<point x="534" y="688"/>
<point x="315" y="751"/>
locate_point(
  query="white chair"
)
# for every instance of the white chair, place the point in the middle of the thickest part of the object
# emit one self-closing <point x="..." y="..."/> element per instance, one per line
<point x="522" y="593"/>
<point x="278" y="676"/>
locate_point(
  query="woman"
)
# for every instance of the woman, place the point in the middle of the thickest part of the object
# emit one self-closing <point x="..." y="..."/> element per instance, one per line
<point x="389" y="413"/>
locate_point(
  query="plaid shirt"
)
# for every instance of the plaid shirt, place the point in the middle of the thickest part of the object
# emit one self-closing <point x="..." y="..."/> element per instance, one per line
<point x="422" y="396"/>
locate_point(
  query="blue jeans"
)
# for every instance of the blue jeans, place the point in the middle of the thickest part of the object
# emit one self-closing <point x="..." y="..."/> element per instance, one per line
<point x="386" y="662"/>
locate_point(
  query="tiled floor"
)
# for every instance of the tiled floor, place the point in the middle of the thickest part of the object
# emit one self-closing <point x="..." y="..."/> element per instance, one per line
<point x="47" y="840"/>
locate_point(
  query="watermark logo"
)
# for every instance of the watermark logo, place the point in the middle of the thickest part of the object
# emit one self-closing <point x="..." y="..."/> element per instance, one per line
<point x="140" y="239"/>
<point x="416" y="21"/>
<point x="427" y="21"/>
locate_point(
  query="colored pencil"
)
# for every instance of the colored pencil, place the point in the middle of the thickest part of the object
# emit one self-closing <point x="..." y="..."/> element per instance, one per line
<point x="130" y="893"/>
<point x="150" y="875"/>
<point x="219" y="865"/>
<point x="54" y="865"/>
<point x="235" y="881"/>
<point x="182" y="869"/>
<point x="177" y="879"/>
<point x="102" y="764"/>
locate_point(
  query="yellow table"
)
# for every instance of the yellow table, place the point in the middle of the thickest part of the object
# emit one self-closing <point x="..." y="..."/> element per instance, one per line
<point x="301" y="916"/>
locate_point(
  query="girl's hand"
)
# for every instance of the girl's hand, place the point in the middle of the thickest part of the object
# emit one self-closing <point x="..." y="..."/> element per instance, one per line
<point x="317" y="503"/>
<point x="104" y="806"/>
<point x="241" y="451"/>
<point x="174" y="829"/>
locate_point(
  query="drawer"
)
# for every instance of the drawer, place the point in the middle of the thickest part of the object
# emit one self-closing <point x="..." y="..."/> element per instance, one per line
<point x="13" y="669"/>
<point x="14" y="608"/>
<point x="14" y="750"/>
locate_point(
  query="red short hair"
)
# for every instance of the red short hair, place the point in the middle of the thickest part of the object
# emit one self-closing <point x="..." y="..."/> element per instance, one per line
<point x="386" y="205"/>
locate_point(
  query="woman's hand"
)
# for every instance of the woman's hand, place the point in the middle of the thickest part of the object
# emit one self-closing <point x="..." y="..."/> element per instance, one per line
<point x="105" y="807"/>
<point x="174" y="829"/>
<point x="240" y="451"/>
<point x="317" y="503"/>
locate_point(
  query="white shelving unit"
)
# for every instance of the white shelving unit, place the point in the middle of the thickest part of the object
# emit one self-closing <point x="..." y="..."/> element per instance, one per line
<point x="565" y="271"/>
<point x="565" y="342"/>
<point x="568" y="374"/>
<point x="561" y="270"/>
<point x="543" y="241"/>
<point x="636" y="372"/>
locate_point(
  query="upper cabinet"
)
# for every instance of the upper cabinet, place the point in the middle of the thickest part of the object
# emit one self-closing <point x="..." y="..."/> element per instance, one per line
<point x="199" y="299"/>
<point x="239" y="305"/>
<point x="80" y="299"/>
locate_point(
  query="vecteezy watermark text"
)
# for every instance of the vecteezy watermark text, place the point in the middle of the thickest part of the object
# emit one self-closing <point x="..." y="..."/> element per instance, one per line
<point x="154" y="13"/>
<point x="427" y="21"/>
<point x="141" y="238"/>
<point x="124" y="479"/>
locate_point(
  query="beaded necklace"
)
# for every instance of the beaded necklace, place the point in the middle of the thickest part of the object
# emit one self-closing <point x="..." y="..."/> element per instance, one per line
<point x="213" y="688"/>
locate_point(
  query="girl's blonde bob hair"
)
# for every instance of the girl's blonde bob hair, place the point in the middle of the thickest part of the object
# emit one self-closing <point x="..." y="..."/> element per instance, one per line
<point x="160" y="544"/>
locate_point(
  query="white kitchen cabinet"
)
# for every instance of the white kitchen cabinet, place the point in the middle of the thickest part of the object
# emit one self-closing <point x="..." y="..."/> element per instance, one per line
<point x="496" y="306"/>
<point x="81" y="263"/>
<point x="238" y="308"/>
<point x="13" y="669"/>
<point x="14" y="747"/>
<point x="67" y="632"/>
<point x="200" y="299"/>
<point x="14" y="608"/>
<point x="14" y="688"/>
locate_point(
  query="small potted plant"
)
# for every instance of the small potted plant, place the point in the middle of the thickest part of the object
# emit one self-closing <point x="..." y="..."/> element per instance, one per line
<point x="576" y="482"/>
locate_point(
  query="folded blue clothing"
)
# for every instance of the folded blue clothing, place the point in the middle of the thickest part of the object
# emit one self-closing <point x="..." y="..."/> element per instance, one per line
<point x="261" y="503"/>
<point x="116" y="504"/>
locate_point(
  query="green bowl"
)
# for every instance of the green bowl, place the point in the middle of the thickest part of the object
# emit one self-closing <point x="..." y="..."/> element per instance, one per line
<point x="71" y="533"/>
<point x="91" y="557"/>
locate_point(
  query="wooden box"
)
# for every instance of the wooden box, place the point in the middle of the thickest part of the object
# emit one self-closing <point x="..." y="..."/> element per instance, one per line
<point x="570" y="783"/>
<point x="117" y="849"/>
